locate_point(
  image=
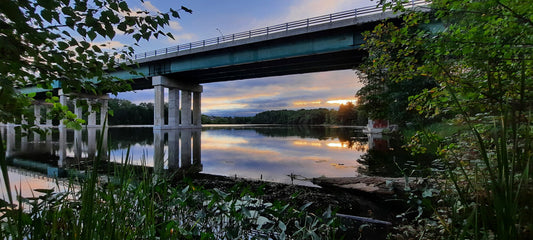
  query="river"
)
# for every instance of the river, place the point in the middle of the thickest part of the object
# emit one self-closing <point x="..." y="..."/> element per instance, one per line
<point x="285" y="154"/>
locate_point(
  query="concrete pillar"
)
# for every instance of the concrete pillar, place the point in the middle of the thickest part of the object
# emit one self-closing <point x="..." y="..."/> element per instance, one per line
<point x="23" y="140"/>
<point x="48" y="121"/>
<point x="159" y="152"/>
<point x="91" y="143"/>
<point x="159" y="107"/>
<point x="91" y="120"/>
<point x="63" y="98"/>
<point x="10" y="140"/>
<point x="185" y="148"/>
<point x="197" y="109"/>
<point x="173" y="149"/>
<point x="78" y="110"/>
<point x="104" y="149"/>
<point x="36" y="140"/>
<point x="173" y="108"/>
<point x="78" y="144"/>
<point x="37" y="113"/>
<point x="62" y="146"/>
<point x="104" y="109"/>
<point x="197" y="149"/>
<point x="185" y="109"/>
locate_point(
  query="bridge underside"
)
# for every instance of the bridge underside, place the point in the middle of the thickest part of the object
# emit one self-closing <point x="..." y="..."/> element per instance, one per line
<point x="279" y="67"/>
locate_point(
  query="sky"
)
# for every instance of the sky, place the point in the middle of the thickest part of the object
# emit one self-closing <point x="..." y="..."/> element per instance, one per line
<point x="212" y="18"/>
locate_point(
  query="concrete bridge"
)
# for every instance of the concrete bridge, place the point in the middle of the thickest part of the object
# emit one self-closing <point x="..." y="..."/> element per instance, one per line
<point x="324" y="43"/>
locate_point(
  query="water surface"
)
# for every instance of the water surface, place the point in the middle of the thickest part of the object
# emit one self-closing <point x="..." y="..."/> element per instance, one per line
<point x="286" y="154"/>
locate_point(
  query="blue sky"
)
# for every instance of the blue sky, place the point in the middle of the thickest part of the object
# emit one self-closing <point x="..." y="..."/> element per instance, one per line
<point x="210" y="18"/>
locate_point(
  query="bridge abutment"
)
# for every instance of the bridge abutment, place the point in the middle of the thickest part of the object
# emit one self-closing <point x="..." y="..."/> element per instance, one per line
<point x="189" y="114"/>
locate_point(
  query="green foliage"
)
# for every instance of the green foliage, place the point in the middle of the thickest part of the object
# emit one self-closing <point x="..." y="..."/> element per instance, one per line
<point x="390" y="74"/>
<point x="127" y="113"/>
<point x="346" y="115"/>
<point x="480" y="59"/>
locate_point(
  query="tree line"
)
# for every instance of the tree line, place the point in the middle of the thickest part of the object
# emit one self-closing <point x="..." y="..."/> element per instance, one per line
<point x="125" y="112"/>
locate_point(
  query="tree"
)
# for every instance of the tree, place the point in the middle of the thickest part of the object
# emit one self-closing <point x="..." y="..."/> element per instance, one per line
<point x="387" y="88"/>
<point x="479" y="54"/>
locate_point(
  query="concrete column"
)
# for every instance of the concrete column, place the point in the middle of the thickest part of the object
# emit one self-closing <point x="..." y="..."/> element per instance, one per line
<point x="23" y="140"/>
<point x="91" y="143"/>
<point x="37" y="113"/>
<point x="77" y="143"/>
<point x="104" y="147"/>
<point x="36" y="140"/>
<point x="91" y="120"/>
<point x="104" y="109"/>
<point x="159" y="152"/>
<point x="173" y="108"/>
<point x="197" y="109"/>
<point x="63" y="98"/>
<point x="197" y="149"/>
<point x="48" y="119"/>
<point x="159" y="107"/>
<point x="10" y="140"/>
<point x="78" y="110"/>
<point x="62" y="146"/>
<point x="185" y="109"/>
<point x="173" y="149"/>
<point x="185" y="148"/>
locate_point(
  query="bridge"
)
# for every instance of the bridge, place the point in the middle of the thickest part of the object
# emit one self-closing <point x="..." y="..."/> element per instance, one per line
<point x="324" y="43"/>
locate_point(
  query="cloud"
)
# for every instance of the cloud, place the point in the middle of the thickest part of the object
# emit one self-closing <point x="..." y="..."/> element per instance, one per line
<point x="150" y="7"/>
<point x="276" y="93"/>
<point x="302" y="9"/>
<point x="310" y="8"/>
<point x="181" y="38"/>
<point x="175" y="25"/>
<point x="109" y="44"/>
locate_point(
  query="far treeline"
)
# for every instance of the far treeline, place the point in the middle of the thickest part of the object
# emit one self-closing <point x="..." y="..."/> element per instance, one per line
<point x="128" y="113"/>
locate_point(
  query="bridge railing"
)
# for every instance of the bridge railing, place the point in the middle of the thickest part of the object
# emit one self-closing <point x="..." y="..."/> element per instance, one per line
<point x="304" y="23"/>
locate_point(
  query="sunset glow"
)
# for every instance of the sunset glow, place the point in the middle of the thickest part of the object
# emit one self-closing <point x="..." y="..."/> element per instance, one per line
<point x="308" y="103"/>
<point x="342" y="101"/>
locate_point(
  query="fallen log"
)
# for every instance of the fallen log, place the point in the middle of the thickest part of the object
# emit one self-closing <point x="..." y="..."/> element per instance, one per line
<point x="383" y="187"/>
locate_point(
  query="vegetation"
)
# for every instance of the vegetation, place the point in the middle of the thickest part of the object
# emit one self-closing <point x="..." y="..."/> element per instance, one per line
<point x="478" y="53"/>
<point x="125" y="112"/>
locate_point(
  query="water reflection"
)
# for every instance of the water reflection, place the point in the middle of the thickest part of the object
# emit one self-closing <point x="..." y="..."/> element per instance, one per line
<point x="273" y="153"/>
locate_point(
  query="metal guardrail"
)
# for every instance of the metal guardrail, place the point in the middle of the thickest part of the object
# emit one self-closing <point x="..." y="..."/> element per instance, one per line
<point x="305" y="23"/>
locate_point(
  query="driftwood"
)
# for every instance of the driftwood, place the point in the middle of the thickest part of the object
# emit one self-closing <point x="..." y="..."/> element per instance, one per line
<point x="377" y="186"/>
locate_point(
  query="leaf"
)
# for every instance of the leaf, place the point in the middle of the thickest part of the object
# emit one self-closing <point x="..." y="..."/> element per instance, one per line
<point x="262" y="221"/>
<point x="282" y="226"/>
<point x="62" y="45"/>
<point x="186" y="9"/>
<point x="91" y="34"/>
<point x="123" y="6"/>
<point x="305" y="206"/>
<point x="47" y="15"/>
<point x="45" y="191"/>
<point x="175" y="13"/>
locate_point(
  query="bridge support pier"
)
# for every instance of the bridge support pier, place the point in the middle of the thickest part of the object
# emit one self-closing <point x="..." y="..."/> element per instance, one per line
<point x="191" y="115"/>
<point x="184" y="150"/>
<point x="92" y="101"/>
